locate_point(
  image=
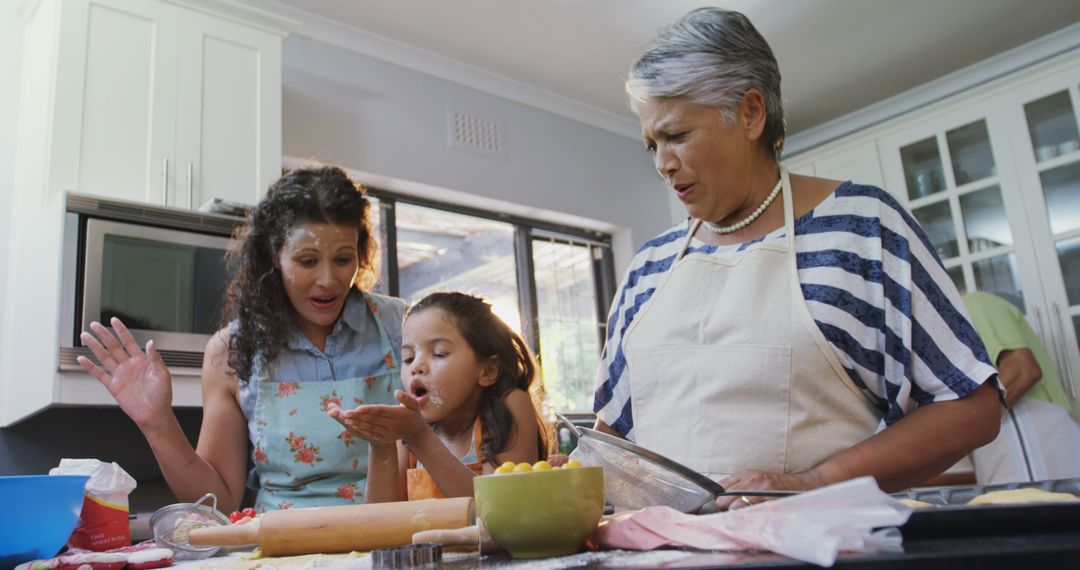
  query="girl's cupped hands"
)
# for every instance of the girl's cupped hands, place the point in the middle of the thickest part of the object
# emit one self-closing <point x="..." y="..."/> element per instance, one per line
<point x="380" y="423"/>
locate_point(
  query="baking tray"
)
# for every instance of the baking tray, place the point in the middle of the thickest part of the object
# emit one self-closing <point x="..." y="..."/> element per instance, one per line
<point x="952" y="517"/>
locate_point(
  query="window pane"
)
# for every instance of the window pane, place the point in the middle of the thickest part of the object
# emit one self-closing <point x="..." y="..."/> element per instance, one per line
<point x="1076" y="329"/>
<point x="569" y="325"/>
<point x="1069" y="256"/>
<point x="998" y="275"/>
<point x="972" y="158"/>
<point x="1061" y="187"/>
<point x="957" y="276"/>
<point x="937" y="220"/>
<point x="984" y="219"/>
<point x="922" y="168"/>
<point x="444" y="251"/>
<point x="1052" y="126"/>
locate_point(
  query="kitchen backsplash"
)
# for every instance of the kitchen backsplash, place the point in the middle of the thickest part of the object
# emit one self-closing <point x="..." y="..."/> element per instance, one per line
<point x="34" y="446"/>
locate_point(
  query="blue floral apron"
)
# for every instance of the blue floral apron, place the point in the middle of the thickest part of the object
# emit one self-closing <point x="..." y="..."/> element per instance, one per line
<point x="305" y="458"/>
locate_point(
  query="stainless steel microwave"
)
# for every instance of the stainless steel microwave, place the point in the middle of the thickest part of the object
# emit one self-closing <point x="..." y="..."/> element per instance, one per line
<point x="160" y="270"/>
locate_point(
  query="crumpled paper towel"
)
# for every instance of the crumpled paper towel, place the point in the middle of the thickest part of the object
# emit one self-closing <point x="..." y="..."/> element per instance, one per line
<point x="103" y="522"/>
<point x="813" y="527"/>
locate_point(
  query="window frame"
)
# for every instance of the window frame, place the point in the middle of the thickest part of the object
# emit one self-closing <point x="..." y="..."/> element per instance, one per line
<point x="525" y="231"/>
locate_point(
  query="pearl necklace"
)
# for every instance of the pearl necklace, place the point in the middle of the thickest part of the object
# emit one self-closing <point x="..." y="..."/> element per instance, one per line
<point x="718" y="229"/>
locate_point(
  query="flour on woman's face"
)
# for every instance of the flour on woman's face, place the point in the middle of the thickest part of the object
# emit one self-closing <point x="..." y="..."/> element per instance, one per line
<point x="318" y="263"/>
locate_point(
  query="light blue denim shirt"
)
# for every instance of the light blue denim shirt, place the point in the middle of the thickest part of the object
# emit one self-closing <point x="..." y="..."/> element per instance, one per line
<point x="352" y="351"/>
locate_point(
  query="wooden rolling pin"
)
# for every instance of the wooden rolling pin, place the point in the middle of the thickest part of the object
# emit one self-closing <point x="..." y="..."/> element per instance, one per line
<point x="346" y="528"/>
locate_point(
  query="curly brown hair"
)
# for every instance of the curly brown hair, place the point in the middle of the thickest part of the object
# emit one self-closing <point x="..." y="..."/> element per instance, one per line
<point x="490" y="337"/>
<point x="256" y="300"/>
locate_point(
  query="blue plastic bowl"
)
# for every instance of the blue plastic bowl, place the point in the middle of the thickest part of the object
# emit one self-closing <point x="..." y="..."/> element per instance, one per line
<point x="39" y="513"/>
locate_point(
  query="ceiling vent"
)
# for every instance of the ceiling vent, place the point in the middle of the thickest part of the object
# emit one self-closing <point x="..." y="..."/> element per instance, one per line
<point x="475" y="134"/>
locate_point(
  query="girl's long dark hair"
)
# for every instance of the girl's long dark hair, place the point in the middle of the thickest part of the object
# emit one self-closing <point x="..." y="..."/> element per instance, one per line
<point x="256" y="298"/>
<point x="490" y="337"/>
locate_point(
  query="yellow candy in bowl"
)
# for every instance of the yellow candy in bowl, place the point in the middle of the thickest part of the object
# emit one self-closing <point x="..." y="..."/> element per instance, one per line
<point x="543" y="512"/>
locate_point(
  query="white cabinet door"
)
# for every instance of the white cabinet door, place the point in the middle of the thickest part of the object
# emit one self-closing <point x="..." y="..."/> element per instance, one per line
<point x="1048" y="164"/>
<point x="956" y="174"/>
<point x="996" y="186"/>
<point x="163" y="104"/>
<point x="228" y="111"/>
<point x="114" y="118"/>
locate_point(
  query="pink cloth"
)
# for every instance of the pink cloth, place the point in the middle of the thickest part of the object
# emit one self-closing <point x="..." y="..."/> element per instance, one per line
<point x="814" y="526"/>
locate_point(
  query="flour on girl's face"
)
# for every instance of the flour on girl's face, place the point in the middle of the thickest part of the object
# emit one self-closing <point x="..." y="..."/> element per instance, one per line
<point x="440" y="368"/>
<point x="437" y="396"/>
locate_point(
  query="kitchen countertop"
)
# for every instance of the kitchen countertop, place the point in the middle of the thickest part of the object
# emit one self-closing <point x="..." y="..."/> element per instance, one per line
<point x="952" y="535"/>
<point x="1044" y="550"/>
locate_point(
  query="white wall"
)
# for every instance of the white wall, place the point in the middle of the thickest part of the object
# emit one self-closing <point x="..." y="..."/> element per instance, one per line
<point x="11" y="38"/>
<point x="368" y="115"/>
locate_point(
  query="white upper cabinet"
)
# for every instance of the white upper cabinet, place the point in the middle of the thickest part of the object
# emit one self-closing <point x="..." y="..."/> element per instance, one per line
<point x="996" y="185"/>
<point x="150" y="101"/>
<point x="164" y="103"/>
<point x="858" y="163"/>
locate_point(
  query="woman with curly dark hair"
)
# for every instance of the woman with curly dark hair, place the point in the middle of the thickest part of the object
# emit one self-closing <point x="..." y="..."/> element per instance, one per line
<point x="300" y="336"/>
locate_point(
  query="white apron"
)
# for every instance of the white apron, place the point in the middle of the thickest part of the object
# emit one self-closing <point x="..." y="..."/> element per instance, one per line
<point x="729" y="371"/>
<point x="1038" y="441"/>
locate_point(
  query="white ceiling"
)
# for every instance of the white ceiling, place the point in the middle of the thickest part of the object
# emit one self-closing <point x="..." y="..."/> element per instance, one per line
<point x="836" y="56"/>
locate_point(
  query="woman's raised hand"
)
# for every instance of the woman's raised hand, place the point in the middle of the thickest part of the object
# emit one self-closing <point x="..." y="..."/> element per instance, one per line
<point x="140" y="382"/>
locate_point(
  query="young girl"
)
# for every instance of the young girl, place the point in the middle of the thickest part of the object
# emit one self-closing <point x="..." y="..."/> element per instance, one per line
<point x="469" y="404"/>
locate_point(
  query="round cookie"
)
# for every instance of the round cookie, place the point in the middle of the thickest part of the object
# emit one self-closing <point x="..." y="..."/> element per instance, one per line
<point x="1020" y="496"/>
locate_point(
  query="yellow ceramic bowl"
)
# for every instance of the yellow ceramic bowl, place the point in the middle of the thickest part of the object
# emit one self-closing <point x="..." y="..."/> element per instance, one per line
<point x="541" y="513"/>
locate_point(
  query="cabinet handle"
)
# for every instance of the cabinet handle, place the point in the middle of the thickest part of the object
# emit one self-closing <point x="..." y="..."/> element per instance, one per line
<point x="165" y="181"/>
<point x="1038" y="322"/>
<point x="190" y="183"/>
<point x="1066" y="370"/>
<point x="1047" y="338"/>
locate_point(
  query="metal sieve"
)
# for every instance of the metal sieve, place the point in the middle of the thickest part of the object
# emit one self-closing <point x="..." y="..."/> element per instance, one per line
<point x="635" y="477"/>
<point x="171" y="525"/>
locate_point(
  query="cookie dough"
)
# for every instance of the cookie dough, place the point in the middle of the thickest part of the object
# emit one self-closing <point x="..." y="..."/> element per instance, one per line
<point x="1020" y="496"/>
<point x="917" y="504"/>
<point x="255" y="561"/>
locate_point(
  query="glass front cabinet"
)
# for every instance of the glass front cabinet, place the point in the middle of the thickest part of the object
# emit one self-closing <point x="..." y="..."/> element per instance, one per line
<point x="995" y="183"/>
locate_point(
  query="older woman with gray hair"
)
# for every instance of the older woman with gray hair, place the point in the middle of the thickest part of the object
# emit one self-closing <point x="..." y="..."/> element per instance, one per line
<point x="794" y="331"/>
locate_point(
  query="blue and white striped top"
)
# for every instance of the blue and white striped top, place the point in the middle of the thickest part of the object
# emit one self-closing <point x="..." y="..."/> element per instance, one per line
<point x="873" y="284"/>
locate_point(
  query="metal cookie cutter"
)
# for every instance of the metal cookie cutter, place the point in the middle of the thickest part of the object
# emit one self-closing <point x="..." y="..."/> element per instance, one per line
<point x="410" y="556"/>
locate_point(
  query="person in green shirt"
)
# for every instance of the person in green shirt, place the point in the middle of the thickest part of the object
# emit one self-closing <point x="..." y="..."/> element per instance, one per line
<point x="1038" y="439"/>
<point x="1008" y="337"/>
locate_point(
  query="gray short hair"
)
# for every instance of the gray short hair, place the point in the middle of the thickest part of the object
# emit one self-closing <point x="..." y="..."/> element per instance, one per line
<point x="712" y="57"/>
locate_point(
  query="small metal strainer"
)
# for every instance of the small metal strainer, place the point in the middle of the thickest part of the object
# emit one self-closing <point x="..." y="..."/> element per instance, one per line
<point x="171" y="525"/>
